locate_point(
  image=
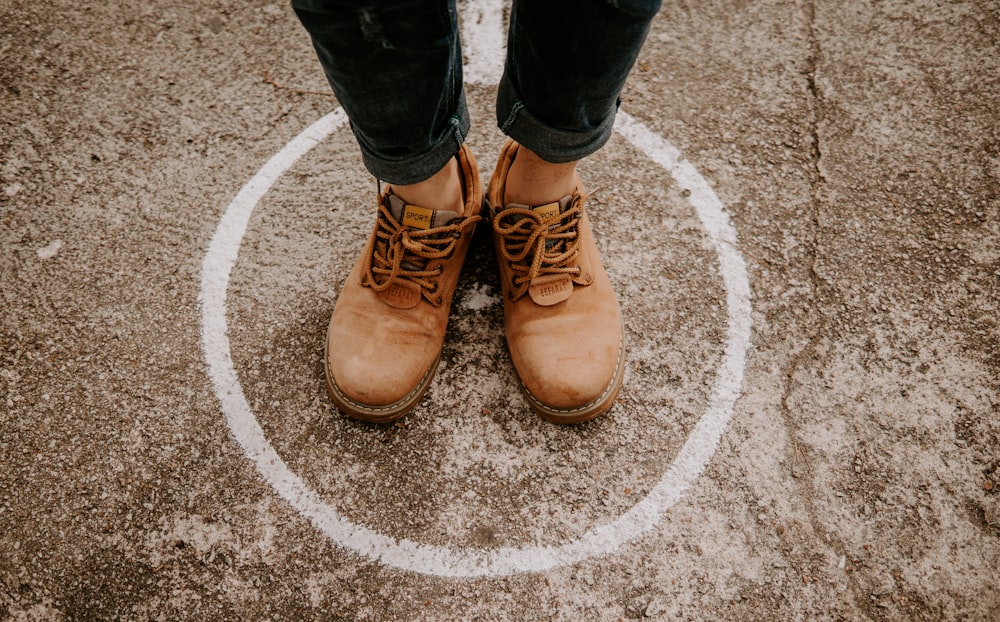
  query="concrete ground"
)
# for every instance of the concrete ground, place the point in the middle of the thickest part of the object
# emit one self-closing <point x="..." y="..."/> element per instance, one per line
<point x="810" y="423"/>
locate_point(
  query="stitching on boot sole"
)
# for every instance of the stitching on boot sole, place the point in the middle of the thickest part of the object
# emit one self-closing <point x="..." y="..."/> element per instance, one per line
<point x="565" y="412"/>
<point x="413" y="394"/>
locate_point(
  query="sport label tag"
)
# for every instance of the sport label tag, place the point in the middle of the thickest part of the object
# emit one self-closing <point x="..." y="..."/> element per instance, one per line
<point x="417" y="217"/>
<point x="548" y="210"/>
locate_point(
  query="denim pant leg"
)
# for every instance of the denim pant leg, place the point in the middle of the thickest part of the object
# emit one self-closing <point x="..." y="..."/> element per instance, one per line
<point x="567" y="61"/>
<point x="396" y="68"/>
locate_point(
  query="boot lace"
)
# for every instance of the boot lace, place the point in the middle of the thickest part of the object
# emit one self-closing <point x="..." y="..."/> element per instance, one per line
<point x="534" y="246"/>
<point x="401" y="252"/>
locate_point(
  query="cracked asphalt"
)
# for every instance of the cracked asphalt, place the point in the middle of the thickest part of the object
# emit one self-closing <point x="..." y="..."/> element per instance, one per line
<point x="854" y="146"/>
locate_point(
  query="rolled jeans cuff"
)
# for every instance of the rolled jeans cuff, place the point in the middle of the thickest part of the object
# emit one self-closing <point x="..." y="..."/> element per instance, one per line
<point x="417" y="168"/>
<point x="549" y="143"/>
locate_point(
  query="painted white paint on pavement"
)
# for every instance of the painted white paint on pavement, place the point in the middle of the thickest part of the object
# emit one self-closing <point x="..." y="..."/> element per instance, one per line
<point x="442" y="561"/>
<point x="485" y="45"/>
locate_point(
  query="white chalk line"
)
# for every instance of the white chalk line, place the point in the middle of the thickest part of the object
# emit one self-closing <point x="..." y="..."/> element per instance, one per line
<point x="486" y="43"/>
<point x="406" y="554"/>
<point x="483" y="20"/>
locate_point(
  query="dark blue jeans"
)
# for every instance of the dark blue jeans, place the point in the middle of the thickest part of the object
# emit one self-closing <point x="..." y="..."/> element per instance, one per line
<point x="396" y="68"/>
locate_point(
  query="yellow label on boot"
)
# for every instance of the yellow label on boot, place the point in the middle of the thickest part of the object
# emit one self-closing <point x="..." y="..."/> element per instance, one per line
<point x="417" y="217"/>
<point x="548" y="210"/>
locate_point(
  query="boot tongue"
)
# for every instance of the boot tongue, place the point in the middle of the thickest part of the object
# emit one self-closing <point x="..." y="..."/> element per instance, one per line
<point x="416" y="217"/>
<point x="549" y="289"/>
<point x="545" y="211"/>
<point x="403" y="293"/>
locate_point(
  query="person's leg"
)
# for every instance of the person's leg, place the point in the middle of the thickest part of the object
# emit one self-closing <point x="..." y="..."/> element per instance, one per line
<point x="567" y="61"/>
<point x="561" y="85"/>
<point x="395" y="66"/>
<point x="557" y="101"/>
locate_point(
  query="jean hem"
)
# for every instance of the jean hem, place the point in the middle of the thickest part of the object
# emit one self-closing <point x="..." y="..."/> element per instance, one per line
<point x="549" y="143"/>
<point x="420" y="167"/>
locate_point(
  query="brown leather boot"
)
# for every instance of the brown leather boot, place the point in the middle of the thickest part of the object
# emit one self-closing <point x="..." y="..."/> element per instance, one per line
<point x="387" y="330"/>
<point x="564" y="327"/>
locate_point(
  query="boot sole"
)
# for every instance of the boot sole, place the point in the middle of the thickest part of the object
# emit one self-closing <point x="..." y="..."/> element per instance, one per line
<point x="585" y="412"/>
<point x="382" y="413"/>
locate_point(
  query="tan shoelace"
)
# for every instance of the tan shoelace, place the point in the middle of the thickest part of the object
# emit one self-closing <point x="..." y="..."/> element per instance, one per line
<point x="534" y="246"/>
<point x="401" y="252"/>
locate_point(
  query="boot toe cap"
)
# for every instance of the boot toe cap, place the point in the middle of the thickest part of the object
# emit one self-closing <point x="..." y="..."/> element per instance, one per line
<point x="378" y="382"/>
<point x="574" y="383"/>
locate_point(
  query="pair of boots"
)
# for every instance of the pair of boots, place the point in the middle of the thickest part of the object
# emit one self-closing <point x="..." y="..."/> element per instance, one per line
<point x="563" y="325"/>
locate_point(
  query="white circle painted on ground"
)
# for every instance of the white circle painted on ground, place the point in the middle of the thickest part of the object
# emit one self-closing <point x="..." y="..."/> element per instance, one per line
<point x="484" y="29"/>
<point x="406" y="554"/>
